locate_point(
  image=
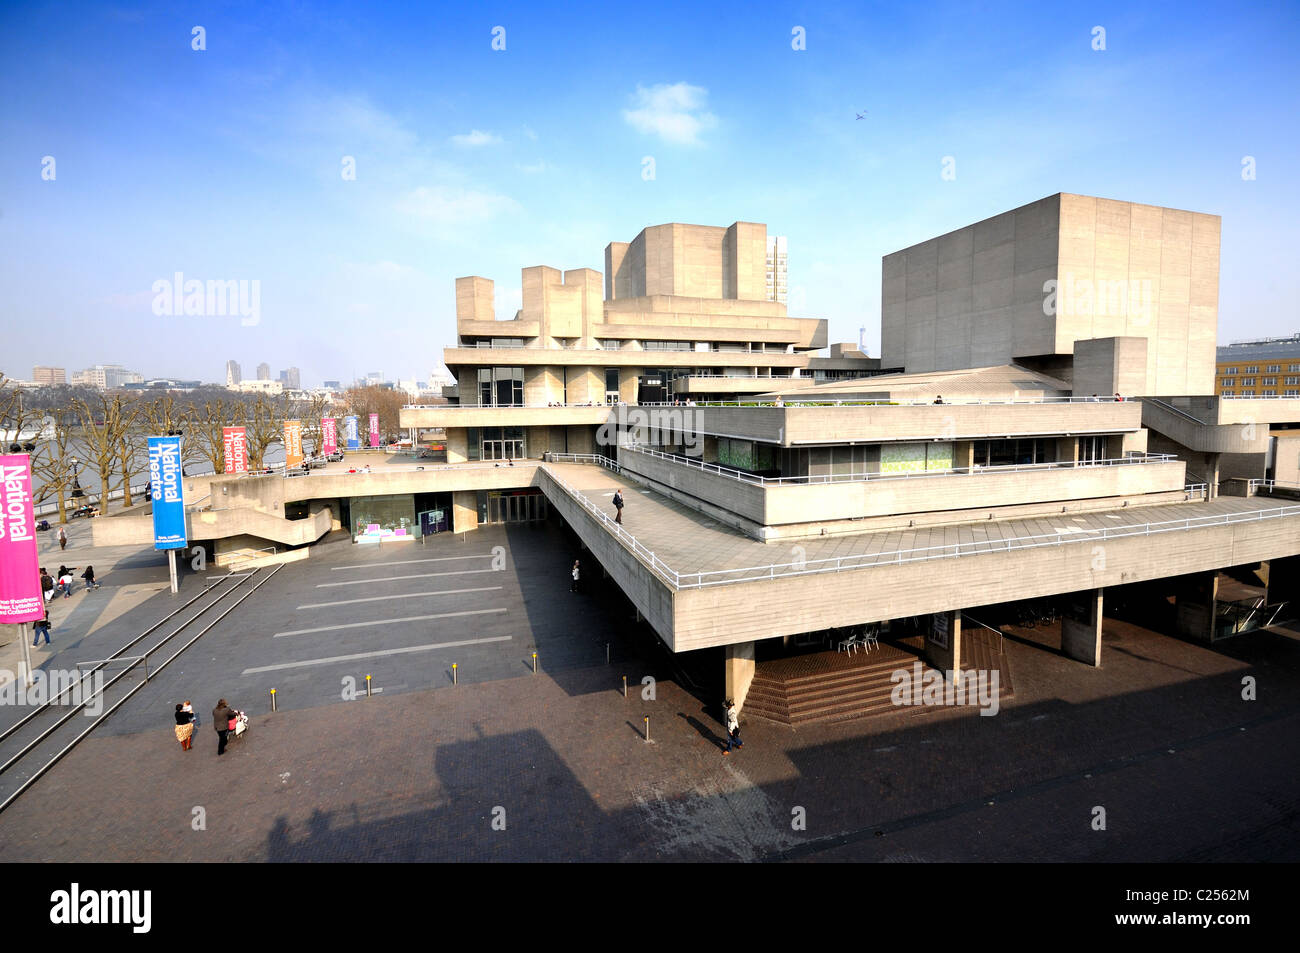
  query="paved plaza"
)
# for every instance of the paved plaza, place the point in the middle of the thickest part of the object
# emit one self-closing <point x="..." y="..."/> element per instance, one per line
<point x="1159" y="737"/>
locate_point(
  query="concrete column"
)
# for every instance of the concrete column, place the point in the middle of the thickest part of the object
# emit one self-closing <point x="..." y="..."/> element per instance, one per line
<point x="1212" y="475"/>
<point x="740" y="672"/>
<point x="627" y="383"/>
<point x="464" y="511"/>
<point x="457" y="449"/>
<point x="1196" y="598"/>
<point x="1283" y="580"/>
<point x="1081" y="627"/>
<point x="943" y="643"/>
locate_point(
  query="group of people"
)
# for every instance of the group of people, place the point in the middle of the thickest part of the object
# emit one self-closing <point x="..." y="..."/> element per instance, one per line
<point x="224" y="719"/>
<point x="62" y="583"/>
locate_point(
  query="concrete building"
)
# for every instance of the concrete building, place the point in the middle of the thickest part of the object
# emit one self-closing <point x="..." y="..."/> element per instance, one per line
<point x="264" y="371"/>
<point x="776" y="268"/>
<point x="786" y="499"/>
<point x="49" y="376"/>
<point x="261" y="386"/>
<point x="233" y="374"/>
<point x="1268" y="367"/>
<point x="1024" y="286"/>
<point x="106" y="377"/>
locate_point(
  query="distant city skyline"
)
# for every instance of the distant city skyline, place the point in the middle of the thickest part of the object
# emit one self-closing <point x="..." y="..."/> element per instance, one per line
<point x="325" y="180"/>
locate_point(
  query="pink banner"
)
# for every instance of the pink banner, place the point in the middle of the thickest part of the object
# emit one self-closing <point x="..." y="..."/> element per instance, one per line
<point x="374" y="430"/>
<point x="235" y="444"/>
<point x="329" y="437"/>
<point x="20" y="577"/>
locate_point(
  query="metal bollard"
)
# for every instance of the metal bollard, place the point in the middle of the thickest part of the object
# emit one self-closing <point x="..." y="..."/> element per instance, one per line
<point x="273" y="708"/>
<point x="453" y="674"/>
<point x="534" y="663"/>
<point x="647" y="729"/>
<point x="367" y="686"/>
<point x="606" y="653"/>
<point x="625" y="686"/>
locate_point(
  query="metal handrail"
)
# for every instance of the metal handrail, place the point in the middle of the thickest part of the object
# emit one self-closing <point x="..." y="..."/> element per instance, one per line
<point x="757" y="480"/>
<point x="1258" y="397"/>
<point x="701" y="579"/>
<point x="1174" y="410"/>
<point x="823" y="401"/>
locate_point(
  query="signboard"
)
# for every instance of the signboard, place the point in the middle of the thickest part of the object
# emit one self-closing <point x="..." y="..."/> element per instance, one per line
<point x="235" y="443"/>
<point x="292" y="444"/>
<point x="374" y="430"/>
<point x="165" y="476"/>
<point x="350" y="432"/>
<point x="939" y="629"/>
<point x="20" y="579"/>
<point x="329" y="437"/>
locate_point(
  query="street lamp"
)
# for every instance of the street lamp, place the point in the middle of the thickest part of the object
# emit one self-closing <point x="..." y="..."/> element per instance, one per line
<point x="76" y="485"/>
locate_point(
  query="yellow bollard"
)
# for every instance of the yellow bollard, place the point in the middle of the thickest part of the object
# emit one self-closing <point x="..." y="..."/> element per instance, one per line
<point x="273" y="699"/>
<point x="453" y="673"/>
<point x="367" y="686"/>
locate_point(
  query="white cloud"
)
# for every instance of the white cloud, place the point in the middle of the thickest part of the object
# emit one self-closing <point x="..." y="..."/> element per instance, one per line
<point x="476" y="137"/>
<point x="449" y="206"/>
<point x="533" y="169"/>
<point x="675" y="113"/>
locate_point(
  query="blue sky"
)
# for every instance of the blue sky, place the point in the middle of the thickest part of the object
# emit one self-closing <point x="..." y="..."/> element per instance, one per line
<point x="226" y="163"/>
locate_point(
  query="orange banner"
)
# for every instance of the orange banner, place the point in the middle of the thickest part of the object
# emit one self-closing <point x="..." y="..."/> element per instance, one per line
<point x="293" y="443"/>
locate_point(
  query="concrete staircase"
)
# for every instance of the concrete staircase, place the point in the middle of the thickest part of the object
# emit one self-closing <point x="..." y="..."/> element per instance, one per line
<point x="834" y="686"/>
<point x="829" y="687"/>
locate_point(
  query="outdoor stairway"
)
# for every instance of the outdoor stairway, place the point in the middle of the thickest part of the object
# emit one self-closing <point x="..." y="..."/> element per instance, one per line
<point x="835" y="686"/>
<point x="829" y="687"/>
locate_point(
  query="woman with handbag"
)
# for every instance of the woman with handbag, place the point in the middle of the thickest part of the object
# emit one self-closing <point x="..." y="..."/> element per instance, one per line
<point x="184" y="727"/>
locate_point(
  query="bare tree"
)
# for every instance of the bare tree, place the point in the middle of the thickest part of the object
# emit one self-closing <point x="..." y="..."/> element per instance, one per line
<point x="52" y="461"/>
<point x="310" y="412"/>
<point x="103" y="420"/>
<point x="387" y="403"/>
<point x="132" y="445"/>
<point x="165" y="415"/>
<point x="266" y="427"/>
<point x="206" y="426"/>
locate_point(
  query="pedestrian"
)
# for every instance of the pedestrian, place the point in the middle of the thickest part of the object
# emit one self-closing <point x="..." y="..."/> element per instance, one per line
<point x="618" y="506"/>
<point x="47" y="584"/>
<point x="63" y="538"/>
<point x="65" y="582"/>
<point x="1117" y="396"/>
<point x="573" y="587"/>
<point x="189" y="707"/>
<point x="733" y="727"/>
<point x="89" y="576"/>
<point x="185" y="727"/>
<point x="221" y="716"/>
<point x="938" y="398"/>
<point x="42" y="628"/>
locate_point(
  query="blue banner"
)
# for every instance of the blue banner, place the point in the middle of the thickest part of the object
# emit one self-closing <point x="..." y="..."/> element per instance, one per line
<point x="165" y="476"/>
<point x="350" y="431"/>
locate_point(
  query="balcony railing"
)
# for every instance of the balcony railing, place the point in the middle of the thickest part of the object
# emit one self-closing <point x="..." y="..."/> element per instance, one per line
<point x="718" y="577"/>
<point x="753" y="478"/>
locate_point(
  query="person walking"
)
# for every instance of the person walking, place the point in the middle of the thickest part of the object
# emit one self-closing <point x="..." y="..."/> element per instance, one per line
<point x="618" y="506"/>
<point x="189" y="707"/>
<point x="733" y="727"/>
<point x="42" y="628"/>
<point x="65" y="581"/>
<point x="221" y="716"/>
<point x="185" y="727"/>
<point x="573" y="586"/>
<point x="47" y="584"/>
<point x="89" y="576"/>
<point x="63" y="538"/>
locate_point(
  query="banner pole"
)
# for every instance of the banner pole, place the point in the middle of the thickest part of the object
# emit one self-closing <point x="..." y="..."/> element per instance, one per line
<point x="27" y="651"/>
<point x="171" y="565"/>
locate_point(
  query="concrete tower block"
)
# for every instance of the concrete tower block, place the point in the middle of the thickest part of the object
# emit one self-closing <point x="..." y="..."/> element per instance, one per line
<point x="474" y="299"/>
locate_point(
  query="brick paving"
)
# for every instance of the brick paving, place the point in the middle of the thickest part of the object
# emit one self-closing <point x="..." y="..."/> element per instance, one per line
<point x="1155" y="736"/>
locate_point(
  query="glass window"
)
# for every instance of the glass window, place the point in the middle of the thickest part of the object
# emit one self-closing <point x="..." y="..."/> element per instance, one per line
<point x="1273" y="368"/>
<point x="1270" y="382"/>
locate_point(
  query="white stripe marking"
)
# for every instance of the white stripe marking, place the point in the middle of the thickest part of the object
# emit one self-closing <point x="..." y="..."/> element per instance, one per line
<point x="377" y="654"/>
<point x="422" y="575"/>
<point x="404" y="595"/>
<point x="404" y="562"/>
<point x="371" y="622"/>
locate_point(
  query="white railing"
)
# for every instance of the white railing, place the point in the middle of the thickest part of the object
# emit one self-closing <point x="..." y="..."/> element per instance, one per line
<point x="697" y="580"/>
<point x="744" y="477"/>
<point x="1197" y="489"/>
